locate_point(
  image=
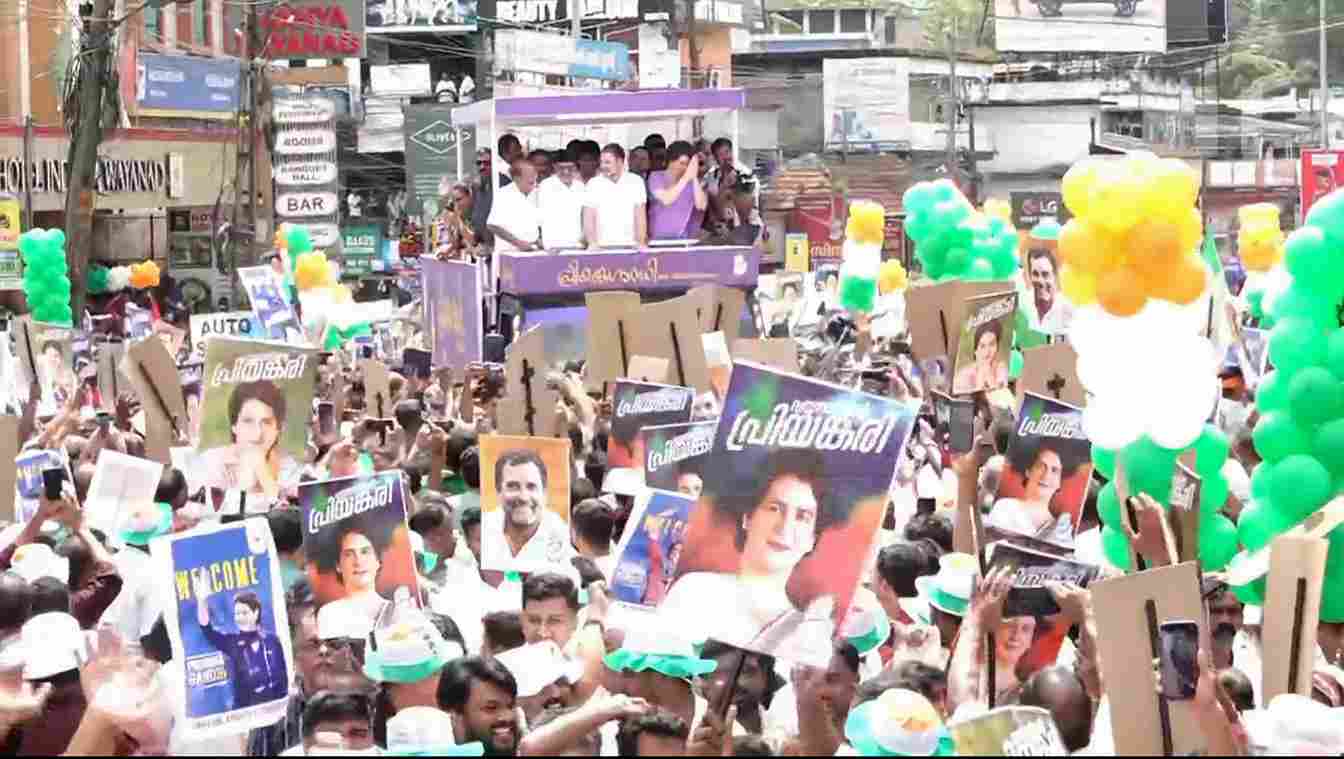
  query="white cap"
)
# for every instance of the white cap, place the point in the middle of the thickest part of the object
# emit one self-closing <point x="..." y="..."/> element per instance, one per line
<point x="538" y="665"/>
<point x="342" y="620"/>
<point x="34" y="560"/>
<point x="1252" y="614"/>
<point x="52" y="643"/>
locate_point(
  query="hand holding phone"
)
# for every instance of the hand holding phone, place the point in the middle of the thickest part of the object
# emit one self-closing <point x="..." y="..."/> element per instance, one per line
<point x="1178" y="667"/>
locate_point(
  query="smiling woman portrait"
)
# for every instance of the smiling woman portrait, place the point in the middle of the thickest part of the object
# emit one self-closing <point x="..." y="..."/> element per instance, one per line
<point x="775" y="526"/>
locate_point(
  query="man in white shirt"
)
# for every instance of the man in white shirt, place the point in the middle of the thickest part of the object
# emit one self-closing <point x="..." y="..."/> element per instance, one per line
<point x="560" y="198"/>
<point x="514" y="219"/>
<point x="615" y="205"/>
<point x="523" y="533"/>
<point x="1052" y="313"/>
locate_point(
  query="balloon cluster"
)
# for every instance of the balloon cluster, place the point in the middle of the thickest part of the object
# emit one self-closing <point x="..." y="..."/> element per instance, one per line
<point x="955" y="241"/>
<point x="1300" y="434"/>
<point x="892" y="277"/>
<point x="1134" y="234"/>
<point x="95" y="281"/>
<point x="118" y="278"/>
<point x="1259" y="240"/>
<point x="312" y="271"/>
<point x="144" y="275"/>
<point x="1148" y="468"/>
<point x="1152" y="374"/>
<point x="861" y="264"/>
<point x="45" y="275"/>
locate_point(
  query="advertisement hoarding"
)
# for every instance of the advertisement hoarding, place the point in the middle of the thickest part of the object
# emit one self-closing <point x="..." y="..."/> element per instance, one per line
<point x="305" y="167"/>
<point x="561" y="55"/>
<point x="866" y="103"/>
<point x="1110" y="26"/>
<point x="186" y="86"/>
<point x="431" y="152"/>
<point x="1322" y="172"/>
<point x="301" y="29"/>
<point x="385" y="16"/>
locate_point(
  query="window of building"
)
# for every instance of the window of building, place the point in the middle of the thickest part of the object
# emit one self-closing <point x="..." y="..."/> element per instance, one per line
<point x="794" y="16"/>
<point x="823" y="22"/>
<point x="853" y="21"/>
<point x="891" y="30"/>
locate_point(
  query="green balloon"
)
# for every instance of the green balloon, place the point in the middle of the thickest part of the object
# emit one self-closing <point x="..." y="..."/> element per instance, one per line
<point x="1277" y="436"/>
<point x="1314" y="396"/>
<point x="1115" y="546"/>
<point x="958" y="261"/>
<point x="1104" y="461"/>
<point x="1328" y="446"/>
<point x="1300" y="485"/>
<point x="1272" y="395"/>
<point x="1148" y="466"/>
<point x="1212" y="494"/>
<point x="1259" y="524"/>
<point x="1108" y="506"/>
<point x="1015" y="362"/>
<point x="1252" y="594"/>
<point x="1334" y="353"/>
<point x="1301" y="303"/>
<point x="1295" y="344"/>
<point x="1217" y="542"/>
<point x="1308" y="258"/>
<point x="980" y="270"/>
<point x="1211" y="449"/>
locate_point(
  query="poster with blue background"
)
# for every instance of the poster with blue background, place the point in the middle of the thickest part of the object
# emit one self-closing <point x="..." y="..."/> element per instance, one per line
<point x="28" y="480"/>
<point x="228" y="626"/>
<point x="647" y="560"/>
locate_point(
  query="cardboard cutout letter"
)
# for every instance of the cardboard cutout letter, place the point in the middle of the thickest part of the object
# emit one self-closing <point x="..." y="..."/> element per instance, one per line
<point x="670" y="330"/>
<point x="720" y="309"/>
<point x="1051" y="371"/>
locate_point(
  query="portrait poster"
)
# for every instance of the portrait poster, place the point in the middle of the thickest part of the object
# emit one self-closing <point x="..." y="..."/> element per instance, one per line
<point x="11" y="227"/>
<point x="256" y="408"/>
<point x="646" y="559"/>
<point x="265" y="291"/>
<point x="28" y="482"/>
<point x="674" y="456"/>
<point x="356" y="542"/>
<point x="635" y="405"/>
<point x="524" y="479"/>
<point x="139" y="322"/>
<point x="46" y="353"/>
<point x="227" y="623"/>
<point x="795" y="488"/>
<point x="121" y="494"/>
<point x="1044" y="480"/>
<point x="955" y="418"/>
<point x="1008" y="731"/>
<point x="983" y="344"/>
<point x="452" y="302"/>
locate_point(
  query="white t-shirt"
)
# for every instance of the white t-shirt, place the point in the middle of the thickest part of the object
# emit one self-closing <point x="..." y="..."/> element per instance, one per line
<point x="515" y="213"/>
<point x="561" y="212"/>
<point x="615" y="203"/>
<point x="547" y="547"/>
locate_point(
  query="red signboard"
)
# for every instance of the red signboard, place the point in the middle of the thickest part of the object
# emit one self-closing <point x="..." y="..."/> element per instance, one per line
<point x="310" y="29"/>
<point x="1322" y="173"/>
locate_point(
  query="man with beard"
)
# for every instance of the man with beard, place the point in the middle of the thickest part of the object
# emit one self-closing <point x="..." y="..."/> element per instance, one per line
<point x="523" y="532"/>
<point x="1225" y="620"/>
<point x="1052" y="312"/>
<point x="481" y="695"/>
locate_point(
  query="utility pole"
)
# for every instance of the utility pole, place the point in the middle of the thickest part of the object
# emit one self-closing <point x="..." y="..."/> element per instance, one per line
<point x="1325" y="86"/>
<point x="950" y="104"/>
<point x="27" y="170"/>
<point x="87" y="132"/>
<point x="245" y="167"/>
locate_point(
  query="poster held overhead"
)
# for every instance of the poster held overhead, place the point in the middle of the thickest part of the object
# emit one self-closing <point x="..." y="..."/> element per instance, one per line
<point x="636" y="405"/>
<point x="669" y="329"/>
<point x="524" y="503"/>
<point x="777" y="353"/>
<point x="1051" y="371"/>
<point x="720" y="309"/>
<point x="674" y="456"/>
<point x="1044" y="482"/>
<point x="153" y="374"/>
<point x="227" y="624"/>
<point x="646" y="559"/>
<point x="984" y="341"/>
<point x="1291" y="614"/>
<point x="611" y="334"/>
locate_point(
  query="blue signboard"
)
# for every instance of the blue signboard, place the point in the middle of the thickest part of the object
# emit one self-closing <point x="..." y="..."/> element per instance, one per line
<point x="183" y="83"/>
<point x="601" y="60"/>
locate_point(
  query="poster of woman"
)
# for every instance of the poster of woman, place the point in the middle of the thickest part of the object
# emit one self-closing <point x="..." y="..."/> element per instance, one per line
<point x="647" y="559"/>
<point x="635" y="405"/>
<point x="795" y="488"/>
<point x="357" y="544"/>
<point x="227" y="625"/>
<point x="674" y="456"/>
<point x="258" y="400"/>
<point x="985" y="342"/>
<point x="1045" y="478"/>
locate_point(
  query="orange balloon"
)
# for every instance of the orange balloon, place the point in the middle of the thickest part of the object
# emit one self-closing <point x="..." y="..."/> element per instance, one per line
<point x="1192" y="230"/>
<point x="1078" y="286"/>
<point x="1121" y="292"/>
<point x="1154" y="244"/>
<point x="1186" y="281"/>
<point x="1085" y="246"/>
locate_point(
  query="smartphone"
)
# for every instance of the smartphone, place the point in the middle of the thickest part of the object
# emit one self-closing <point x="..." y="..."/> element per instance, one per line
<point x="417" y="361"/>
<point x="52" y="481"/>
<point x="1178" y="644"/>
<point x="326" y="417"/>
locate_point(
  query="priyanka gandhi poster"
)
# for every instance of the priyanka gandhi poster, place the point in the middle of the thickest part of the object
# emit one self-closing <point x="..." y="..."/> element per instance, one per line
<point x="227" y="624"/>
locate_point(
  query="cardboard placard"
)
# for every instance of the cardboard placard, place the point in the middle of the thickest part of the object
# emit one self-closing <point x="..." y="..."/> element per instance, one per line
<point x="777" y="353"/>
<point x="611" y="320"/>
<point x="1124" y="637"/>
<point x="1292" y="611"/>
<point x="1184" y="511"/>
<point x="930" y="336"/>
<point x="647" y="369"/>
<point x="9" y="449"/>
<point x="1248" y="566"/>
<point x="1051" y="371"/>
<point x="378" y="400"/>
<point x="528" y="407"/>
<point x="112" y="381"/>
<point x="153" y="373"/>
<point x="670" y="330"/>
<point x="720" y="309"/>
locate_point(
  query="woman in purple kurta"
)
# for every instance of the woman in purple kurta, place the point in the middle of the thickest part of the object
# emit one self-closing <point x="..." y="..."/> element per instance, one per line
<point x="675" y="195"/>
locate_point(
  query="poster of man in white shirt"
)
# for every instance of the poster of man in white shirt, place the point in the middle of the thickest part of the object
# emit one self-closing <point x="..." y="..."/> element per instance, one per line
<point x="615" y="205"/>
<point x="1050" y="312"/>
<point x="524" y="503"/>
<point x="560" y="199"/>
<point x="515" y="220"/>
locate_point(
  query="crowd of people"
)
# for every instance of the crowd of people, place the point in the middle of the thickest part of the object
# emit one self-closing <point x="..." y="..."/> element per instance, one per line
<point x="593" y="196"/>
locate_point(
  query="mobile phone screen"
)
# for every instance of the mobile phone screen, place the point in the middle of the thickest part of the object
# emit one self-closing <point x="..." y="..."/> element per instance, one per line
<point x="1178" y="643"/>
<point x="52" y="479"/>
<point x="326" y="417"/>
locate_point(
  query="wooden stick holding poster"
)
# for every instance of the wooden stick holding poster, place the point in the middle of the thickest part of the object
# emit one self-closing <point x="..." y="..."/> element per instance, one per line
<point x="1292" y="611"/>
<point x="719" y="309"/>
<point x="611" y="334"/>
<point x="1128" y="610"/>
<point x="529" y="402"/>
<point x="670" y="330"/>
